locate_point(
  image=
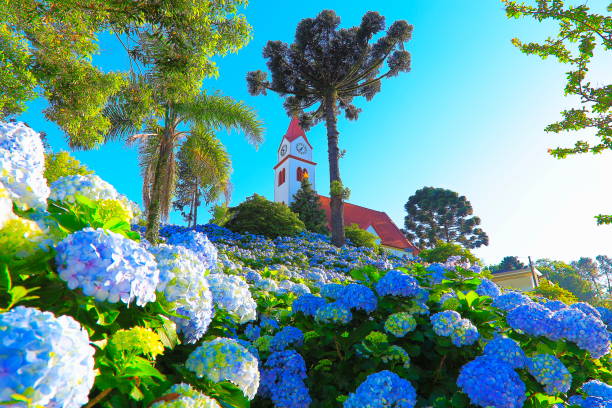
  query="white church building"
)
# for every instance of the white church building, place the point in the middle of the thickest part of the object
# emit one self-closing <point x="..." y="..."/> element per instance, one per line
<point x="294" y="161"/>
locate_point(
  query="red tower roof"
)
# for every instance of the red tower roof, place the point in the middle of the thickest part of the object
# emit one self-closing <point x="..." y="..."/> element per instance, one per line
<point x="386" y="229"/>
<point x="295" y="130"/>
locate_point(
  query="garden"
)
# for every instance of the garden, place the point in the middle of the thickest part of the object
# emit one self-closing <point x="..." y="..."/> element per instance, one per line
<point x="107" y="304"/>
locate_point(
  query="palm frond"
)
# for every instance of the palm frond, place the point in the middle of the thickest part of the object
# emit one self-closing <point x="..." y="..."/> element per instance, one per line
<point x="217" y="112"/>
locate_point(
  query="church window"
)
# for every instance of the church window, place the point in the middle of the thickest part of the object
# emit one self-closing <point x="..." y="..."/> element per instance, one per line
<point x="281" y="177"/>
<point x="299" y="174"/>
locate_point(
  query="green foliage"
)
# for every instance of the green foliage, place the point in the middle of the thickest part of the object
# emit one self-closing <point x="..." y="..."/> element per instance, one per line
<point x="443" y="250"/>
<point x="351" y="68"/>
<point x="438" y="214"/>
<point x="63" y="164"/>
<point x="553" y="291"/>
<point x="360" y="237"/>
<point x="260" y="216"/>
<point x="567" y="278"/>
<point x="220" y="214"/>
<point x="307" y="206"/>
<point x="508" y="263"/>
<point x="580" y="32"/>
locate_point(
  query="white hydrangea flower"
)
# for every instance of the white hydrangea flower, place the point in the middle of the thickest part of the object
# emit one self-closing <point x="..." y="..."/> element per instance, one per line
<point x="46" y="358"/>
<point x="232" y="294"/>
<point x="188" y="397"/>
<point x="22" y="165"/>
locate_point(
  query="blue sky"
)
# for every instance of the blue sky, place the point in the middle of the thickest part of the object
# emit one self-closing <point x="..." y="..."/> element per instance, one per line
<point x="468" y="117"/>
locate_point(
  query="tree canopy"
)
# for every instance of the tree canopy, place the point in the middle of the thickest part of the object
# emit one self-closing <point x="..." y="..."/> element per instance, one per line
<point x="438" y="214"/>
<point x="326" y="68"/>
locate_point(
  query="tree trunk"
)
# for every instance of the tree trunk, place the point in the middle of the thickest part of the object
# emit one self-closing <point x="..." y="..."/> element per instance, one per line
<point x="154" y="211"/>
<point x="337" y="207"/>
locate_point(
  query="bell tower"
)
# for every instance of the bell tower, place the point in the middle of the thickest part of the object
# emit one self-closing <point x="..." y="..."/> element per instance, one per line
<point x="294" y="162"/>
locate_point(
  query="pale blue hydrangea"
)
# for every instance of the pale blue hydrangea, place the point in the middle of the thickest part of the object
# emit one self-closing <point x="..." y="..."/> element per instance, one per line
<point x="381" y="390"/>
<point x="444" y="322"/>
<point x="307" y="304"/>
<point x="288" y="336"/>
<point x="22" y="165"/>
<point x="596" y="388"/>
<point x="400" y="324"/>
<point x="267" y="284"/>
<point x="298" y="289"/>
<point x="332" y="290"/>
<point x="488" y="288"/>
<point x="550" y="372"/>
<point x="510" y="300"/>
<point x="586" y="309"/>
<point x="491" y="382"/>
<point x="188" y="397"/>
<point x="358" y="297"/>
<point x="282" y="380"/>
<point x="397" y="283"/>
<point x="107" y="266"/>
<point x="182" y="280"/>
<point x="224" y="359"/>
<point x="232" y="294"/>
<point x="588" y="332"/>
<point x="333" y="313"/>
<point x="507" y="350"/>
<point x="199" y="244"/>
<point x="464" y="333"/>
<point x="46" y="358"/>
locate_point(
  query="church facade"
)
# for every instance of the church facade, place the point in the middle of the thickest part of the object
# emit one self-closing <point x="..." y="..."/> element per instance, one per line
<point x="295" y="161"/>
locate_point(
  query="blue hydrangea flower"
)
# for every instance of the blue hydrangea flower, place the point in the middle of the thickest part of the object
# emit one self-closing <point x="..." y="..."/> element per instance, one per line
<point x="381" y="390"/>
<point x="252" y="332"/>
<point x="436" y="273"/>
<point x="444" y="322"/>
<point x="107" y="266"/>
<point x="289" y="336"/>
<point x="596" y="388"/>
<point x="553" y="305"/>
<point x="332" y="290"/>
<point x="534" y="319"/>
<point x="232" y="294"/>
<point x="357" y="296"/>
<point x="446" y="296"/>
<point x="589" y="402"/>
<point x="586" y="309"/>
<point x="199" y="244"/>
<point x="396" y="354"/>
<point x="282" y="380"/>
<point x="507" y="350"/>
<point x="22" y="165"/>
<point x="588" y="332"/>
<point x="307" y="304"/>
<point x="550" y="372"/>
<point x="464" y="333"/>
<point x="491" y="382"/>
<point x="510" y="300"/>
<point x="182" y="280"/>
<point x="333" y="313"/>
<point x="488" y="288"/>
<point x="47" y="358"/>
<point x="397" y="283"/>
<point x="188" y="397"/>
<point x="606" y="316"/>
<point x="225" y="359"/>
<point x="400" y="324"/>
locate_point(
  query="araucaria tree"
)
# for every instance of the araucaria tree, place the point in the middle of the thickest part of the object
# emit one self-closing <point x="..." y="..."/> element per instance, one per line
<point x="325" y="69"/>
<point x="307" y="205"/>
<point x="439" y="214"/>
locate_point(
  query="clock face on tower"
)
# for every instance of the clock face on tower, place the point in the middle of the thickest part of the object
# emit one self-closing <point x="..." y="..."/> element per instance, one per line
<point x="301" y="148"/>
<point x="283" y="150"/>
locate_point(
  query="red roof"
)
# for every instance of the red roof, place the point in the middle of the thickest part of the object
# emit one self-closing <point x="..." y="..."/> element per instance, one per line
<point x="295" y="131"/>
<point x="386" y="229"/>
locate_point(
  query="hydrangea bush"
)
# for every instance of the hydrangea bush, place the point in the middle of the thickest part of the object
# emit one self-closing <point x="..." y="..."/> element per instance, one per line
<point x="91" y="315"/>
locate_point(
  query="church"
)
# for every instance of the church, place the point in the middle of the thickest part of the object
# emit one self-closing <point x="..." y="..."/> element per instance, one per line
<point x="295" y="162"/>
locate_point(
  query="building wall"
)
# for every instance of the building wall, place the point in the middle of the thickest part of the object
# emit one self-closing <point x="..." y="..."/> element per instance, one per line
<point x="287" y="190"/>
<point x="523" y="281"/>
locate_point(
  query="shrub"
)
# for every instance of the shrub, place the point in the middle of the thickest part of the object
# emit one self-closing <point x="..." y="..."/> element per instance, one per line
<point x="257" y="215"/>
<point x="63" y="164"/>
<point x="307" y="206"/>
<point x="360" y="237"/>
<point x="444" y="250"/>
<point x="552" y="291"/>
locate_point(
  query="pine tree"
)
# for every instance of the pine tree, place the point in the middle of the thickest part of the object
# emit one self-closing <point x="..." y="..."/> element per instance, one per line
<point x="307" y="206"/>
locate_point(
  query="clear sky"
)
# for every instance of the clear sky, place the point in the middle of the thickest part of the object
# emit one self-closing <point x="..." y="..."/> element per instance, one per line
<point x="468" y="117"/>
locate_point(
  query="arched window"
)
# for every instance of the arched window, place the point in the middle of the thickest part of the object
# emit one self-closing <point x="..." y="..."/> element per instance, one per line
<point x="299" y="174"/>
<point x="281" y="177"/>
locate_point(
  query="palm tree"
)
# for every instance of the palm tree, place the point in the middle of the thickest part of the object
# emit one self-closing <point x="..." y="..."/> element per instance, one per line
<point x="329" y="66"/>
<point x="169" y="127"/>
<point x="204" y="169"/>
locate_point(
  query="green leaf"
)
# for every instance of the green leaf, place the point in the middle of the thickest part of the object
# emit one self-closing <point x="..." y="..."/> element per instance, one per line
<point x="5" y="279"/>
<point x="471" y="298"/>
<point x="84" y="201"/>
<point x="358" y="274"/>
